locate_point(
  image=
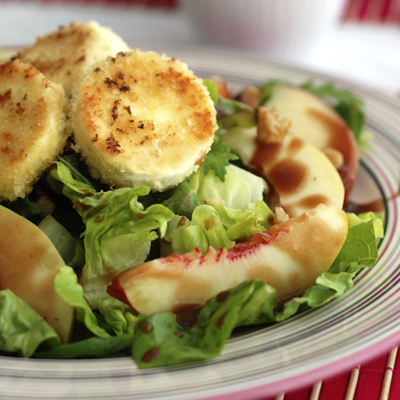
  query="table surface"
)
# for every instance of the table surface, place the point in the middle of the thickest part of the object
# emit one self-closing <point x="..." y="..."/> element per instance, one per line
<point x="367" y="53"/>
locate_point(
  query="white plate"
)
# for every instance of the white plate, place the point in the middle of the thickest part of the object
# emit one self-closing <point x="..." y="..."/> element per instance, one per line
<point x="350" y="330"/>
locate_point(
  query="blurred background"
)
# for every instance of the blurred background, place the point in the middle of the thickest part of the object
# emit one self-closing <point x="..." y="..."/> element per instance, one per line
<point x="354" y="39"/>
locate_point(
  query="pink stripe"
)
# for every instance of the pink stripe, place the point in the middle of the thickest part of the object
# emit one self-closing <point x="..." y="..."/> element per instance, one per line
<point x="363" y="9"/>
<point x="385" y="9"/>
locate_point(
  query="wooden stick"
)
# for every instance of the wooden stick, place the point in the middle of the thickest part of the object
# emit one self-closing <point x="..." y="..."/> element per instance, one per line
<point x="387" y="378"/>
<point x="352" y="385"/>
<point x="280" y="397"/>
<point x="315" y="391"/>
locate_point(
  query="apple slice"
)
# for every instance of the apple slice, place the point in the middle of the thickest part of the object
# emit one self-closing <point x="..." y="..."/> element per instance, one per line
<point x="314" y="121"/>
<point x="29" y="263"/>
<point x="302" y="175"/>
<point x="288" y="256"/>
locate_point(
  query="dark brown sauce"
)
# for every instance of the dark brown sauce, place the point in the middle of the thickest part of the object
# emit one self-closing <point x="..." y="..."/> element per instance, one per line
<point x="264" y="155"/>
<point x="287" y="175"/>
<point x="146" y="326"/>
<point x="341" y="139"/>
<point x="151" y="354"/>
<point x="186" y="315"/>
<point x="312" y="201"/>
<point x="222" y="296"/>
<point x="220" y="320"/>
<point x="295" y="146"/>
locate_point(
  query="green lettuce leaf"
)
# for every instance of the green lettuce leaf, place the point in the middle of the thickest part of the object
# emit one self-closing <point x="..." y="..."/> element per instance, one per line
<point x="22" y="329"/>
<point x="203" y="231"/>
<point x="119" y="319"/>
<point x="377" y="219"/>
<point x="212" y="89"/>
<point x="118" y="235"/>
<point x="67" y="286"/>
<point x="217" y="226"/>
<point x="118" y="231"/>
<point x="74" y="187"/>
<point x="89" y="348"/>
<point x="183" y="200"/>
<point x="161" y="339"/>
<point x="230" y="107"/>
<point x="240" y="189"/>
<point x="240" y="224"/>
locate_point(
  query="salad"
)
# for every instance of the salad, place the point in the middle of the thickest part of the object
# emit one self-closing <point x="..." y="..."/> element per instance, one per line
<point x="253" y="235"/>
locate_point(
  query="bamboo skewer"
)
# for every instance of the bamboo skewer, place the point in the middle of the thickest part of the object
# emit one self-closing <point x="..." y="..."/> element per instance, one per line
<point x="352" y="385"/>
<point x="315" y="391"/>
<point x="387" y="378"/>
<point x="353" y="381"/>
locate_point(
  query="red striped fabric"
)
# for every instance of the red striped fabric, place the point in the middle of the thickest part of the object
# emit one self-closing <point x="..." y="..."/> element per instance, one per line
<point x="373" y="10"/>
<point x="370" y="379"/>
<point x="335" y="388"/>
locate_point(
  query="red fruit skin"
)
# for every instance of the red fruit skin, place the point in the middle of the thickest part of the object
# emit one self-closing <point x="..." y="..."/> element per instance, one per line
<point x="288" y="256"/>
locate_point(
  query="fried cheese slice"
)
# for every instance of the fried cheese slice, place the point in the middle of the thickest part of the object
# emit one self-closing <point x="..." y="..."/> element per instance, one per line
<point x="142" y="118"/>
<point x="32" y="127"/>
<point x="63" y="56"/>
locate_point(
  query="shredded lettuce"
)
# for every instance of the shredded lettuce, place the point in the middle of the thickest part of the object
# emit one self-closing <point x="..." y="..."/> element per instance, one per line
<point x="240" y="189"/>
<point x="22" y="329"/>
<point x="119" y="318"/>
<point x="118" y="230"/>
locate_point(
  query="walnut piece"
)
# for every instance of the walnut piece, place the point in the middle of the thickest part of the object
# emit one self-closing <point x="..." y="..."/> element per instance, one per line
<point x="250" y="96"/>
<point x="270" y="128"/>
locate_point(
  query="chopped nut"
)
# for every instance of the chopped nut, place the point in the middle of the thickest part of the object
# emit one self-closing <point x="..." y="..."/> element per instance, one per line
<point x="270" y="128"/>
<point x="335" y="156"/>
<point x="280" y="215"/>
<point x="250" y="95"/>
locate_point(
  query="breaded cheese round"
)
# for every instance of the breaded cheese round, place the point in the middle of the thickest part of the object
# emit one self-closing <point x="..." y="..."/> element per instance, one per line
<point x="141" y="118"/>
<point x="63" y="56"/>
<point x="32" y="127"/>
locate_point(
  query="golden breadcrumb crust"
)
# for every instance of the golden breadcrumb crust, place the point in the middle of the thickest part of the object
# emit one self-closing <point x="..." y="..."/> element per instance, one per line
<point x="32" y="127"/>
<point x="142" y="118"/>
<point x="64" y="56"/>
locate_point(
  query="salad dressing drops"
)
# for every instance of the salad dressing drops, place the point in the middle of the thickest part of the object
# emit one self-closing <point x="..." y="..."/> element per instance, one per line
<point x="287" y="175"/>
<point x="342" y="140"/>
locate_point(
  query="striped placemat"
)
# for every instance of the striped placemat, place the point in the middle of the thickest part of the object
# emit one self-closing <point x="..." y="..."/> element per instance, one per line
<point x="373" y="11"/>
<point x="378" y="379"/>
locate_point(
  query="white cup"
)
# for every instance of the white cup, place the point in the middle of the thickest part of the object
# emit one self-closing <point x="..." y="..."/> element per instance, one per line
<point x="282" y="28"/>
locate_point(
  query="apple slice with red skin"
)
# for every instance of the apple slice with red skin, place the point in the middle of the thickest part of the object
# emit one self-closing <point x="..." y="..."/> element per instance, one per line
<point x="314" y="121"/>
<point x="288" y="256"/>
<point x="29" y="263"/>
